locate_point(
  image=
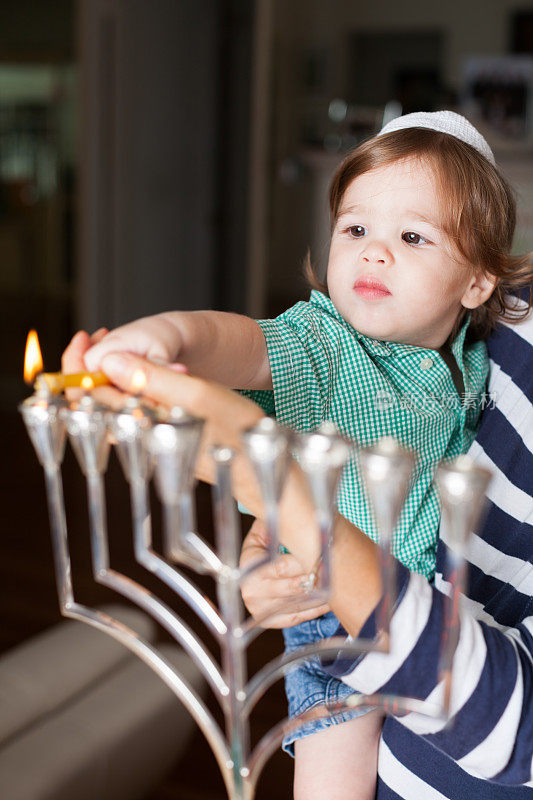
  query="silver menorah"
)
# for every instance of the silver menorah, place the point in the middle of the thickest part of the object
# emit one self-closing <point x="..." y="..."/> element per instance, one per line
<point x="167" y="447"/>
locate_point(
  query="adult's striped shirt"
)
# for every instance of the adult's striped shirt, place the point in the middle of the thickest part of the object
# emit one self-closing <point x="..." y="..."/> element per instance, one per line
<point x="487" y="754"/>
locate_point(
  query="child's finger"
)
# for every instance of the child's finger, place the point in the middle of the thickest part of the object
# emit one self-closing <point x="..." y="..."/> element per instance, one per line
<point x="98" y="335"/>
<point x="72" y="358"/>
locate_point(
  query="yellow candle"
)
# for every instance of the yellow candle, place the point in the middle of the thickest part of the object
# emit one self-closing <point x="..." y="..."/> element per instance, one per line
<point x="56" y="382"/>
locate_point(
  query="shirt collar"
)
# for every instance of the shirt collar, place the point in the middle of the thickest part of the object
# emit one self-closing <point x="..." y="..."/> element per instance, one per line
<point x="389" y="349"/>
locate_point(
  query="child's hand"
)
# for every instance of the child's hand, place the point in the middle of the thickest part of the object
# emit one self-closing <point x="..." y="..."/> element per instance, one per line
<point x="275" y="585"/>
<point x="155" y="338"/>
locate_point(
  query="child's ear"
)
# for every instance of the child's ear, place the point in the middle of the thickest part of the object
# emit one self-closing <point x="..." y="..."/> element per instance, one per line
<point x="479" y="289"/>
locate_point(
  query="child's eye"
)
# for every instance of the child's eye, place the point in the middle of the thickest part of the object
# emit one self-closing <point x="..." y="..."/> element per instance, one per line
<point x="413" y="238"/>
<point x="356" y="231"/>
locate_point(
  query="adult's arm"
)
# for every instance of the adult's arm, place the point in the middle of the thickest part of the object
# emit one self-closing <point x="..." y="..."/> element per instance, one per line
<point x="492" y="704"/>
<point x="491" y="735"/>
<point x="492" y="697"/>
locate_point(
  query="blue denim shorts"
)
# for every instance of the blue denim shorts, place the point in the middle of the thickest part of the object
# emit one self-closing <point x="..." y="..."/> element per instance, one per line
<point x="307" y="685"/>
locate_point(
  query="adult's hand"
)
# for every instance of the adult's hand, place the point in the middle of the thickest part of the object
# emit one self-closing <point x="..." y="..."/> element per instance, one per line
<point x="271" y="587"/>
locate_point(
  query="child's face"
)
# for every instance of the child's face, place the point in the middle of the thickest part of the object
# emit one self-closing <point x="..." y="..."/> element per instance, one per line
<point x="393" y="274"/>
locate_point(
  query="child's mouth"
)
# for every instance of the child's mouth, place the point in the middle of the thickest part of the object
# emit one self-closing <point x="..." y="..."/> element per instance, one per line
<point x="370" y="288"/>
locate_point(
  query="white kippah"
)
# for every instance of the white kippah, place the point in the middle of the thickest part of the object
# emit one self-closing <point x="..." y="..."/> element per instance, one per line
<point x="445" y="122"/>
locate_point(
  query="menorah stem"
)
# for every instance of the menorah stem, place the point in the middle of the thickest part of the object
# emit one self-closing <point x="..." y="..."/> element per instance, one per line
<point x="234" y="667"/>
<point x="325" y="527"/>
<point x="387" y="566"/>
<point x="58" y="528"/>
<point x="229" y="593"/>
<point x="178" y="520"/>
<point x="272" y="527"/>
<point x="98" y="523"/>
<point x="456" y="573"/>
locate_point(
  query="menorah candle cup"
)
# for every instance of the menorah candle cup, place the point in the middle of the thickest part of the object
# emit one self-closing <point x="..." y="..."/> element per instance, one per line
<point x="386" y="468"/>
<point x="322" y="455"/>
<point x="267" y="445"/>
<point x="46" y="427"/>
<point x="462" y="486"/>
<point x="128" y="428"/>
<point x="87" y="431"/>
<point x="173" y="446"/>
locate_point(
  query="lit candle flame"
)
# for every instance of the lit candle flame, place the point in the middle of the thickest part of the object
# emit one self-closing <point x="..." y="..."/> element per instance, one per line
<point x="33" y="360"/>
<point x="138" y="381"/>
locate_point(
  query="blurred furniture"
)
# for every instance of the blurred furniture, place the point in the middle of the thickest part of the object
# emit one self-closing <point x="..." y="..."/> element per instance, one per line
<point x="81" y="717"/>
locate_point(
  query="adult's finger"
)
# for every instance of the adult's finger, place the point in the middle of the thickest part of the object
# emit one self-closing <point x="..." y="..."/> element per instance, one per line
<point x="197" y="396"/>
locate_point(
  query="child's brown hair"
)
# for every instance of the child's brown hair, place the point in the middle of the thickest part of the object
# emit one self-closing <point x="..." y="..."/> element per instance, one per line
<point x="479" y="218"/>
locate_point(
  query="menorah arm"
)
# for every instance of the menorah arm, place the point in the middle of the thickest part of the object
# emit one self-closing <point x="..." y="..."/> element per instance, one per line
<point x="183" y="587"/>
<point x="166" y="671"/>
<point x="204" y="551"/>
<point x="154" y="563"/>
<point x="279" y="666"/>
<point x="129" y="588"/>
<point x="171" y="622"/>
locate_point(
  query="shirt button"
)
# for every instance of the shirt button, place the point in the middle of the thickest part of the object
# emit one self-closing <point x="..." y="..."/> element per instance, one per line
<point x="426" y="363"/>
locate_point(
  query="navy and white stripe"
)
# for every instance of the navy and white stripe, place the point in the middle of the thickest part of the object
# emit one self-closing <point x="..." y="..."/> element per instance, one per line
<point x="488" y="752"/>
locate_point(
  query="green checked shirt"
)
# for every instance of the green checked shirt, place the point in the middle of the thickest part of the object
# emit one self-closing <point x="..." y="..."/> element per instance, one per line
<point x="323" y="369"/>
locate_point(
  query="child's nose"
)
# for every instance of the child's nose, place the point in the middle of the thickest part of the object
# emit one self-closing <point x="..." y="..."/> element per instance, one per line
<point x="377" y="252"/>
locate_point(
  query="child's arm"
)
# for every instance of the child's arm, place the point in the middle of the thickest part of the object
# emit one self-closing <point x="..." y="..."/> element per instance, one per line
<point x="228" y="348"/>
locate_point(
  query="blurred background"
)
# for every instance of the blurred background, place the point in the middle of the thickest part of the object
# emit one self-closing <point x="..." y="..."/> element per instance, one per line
<point x="160" y="154"/>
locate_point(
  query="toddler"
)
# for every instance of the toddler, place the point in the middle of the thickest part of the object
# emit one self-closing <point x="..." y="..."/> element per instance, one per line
<point x="419" y="272"/>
